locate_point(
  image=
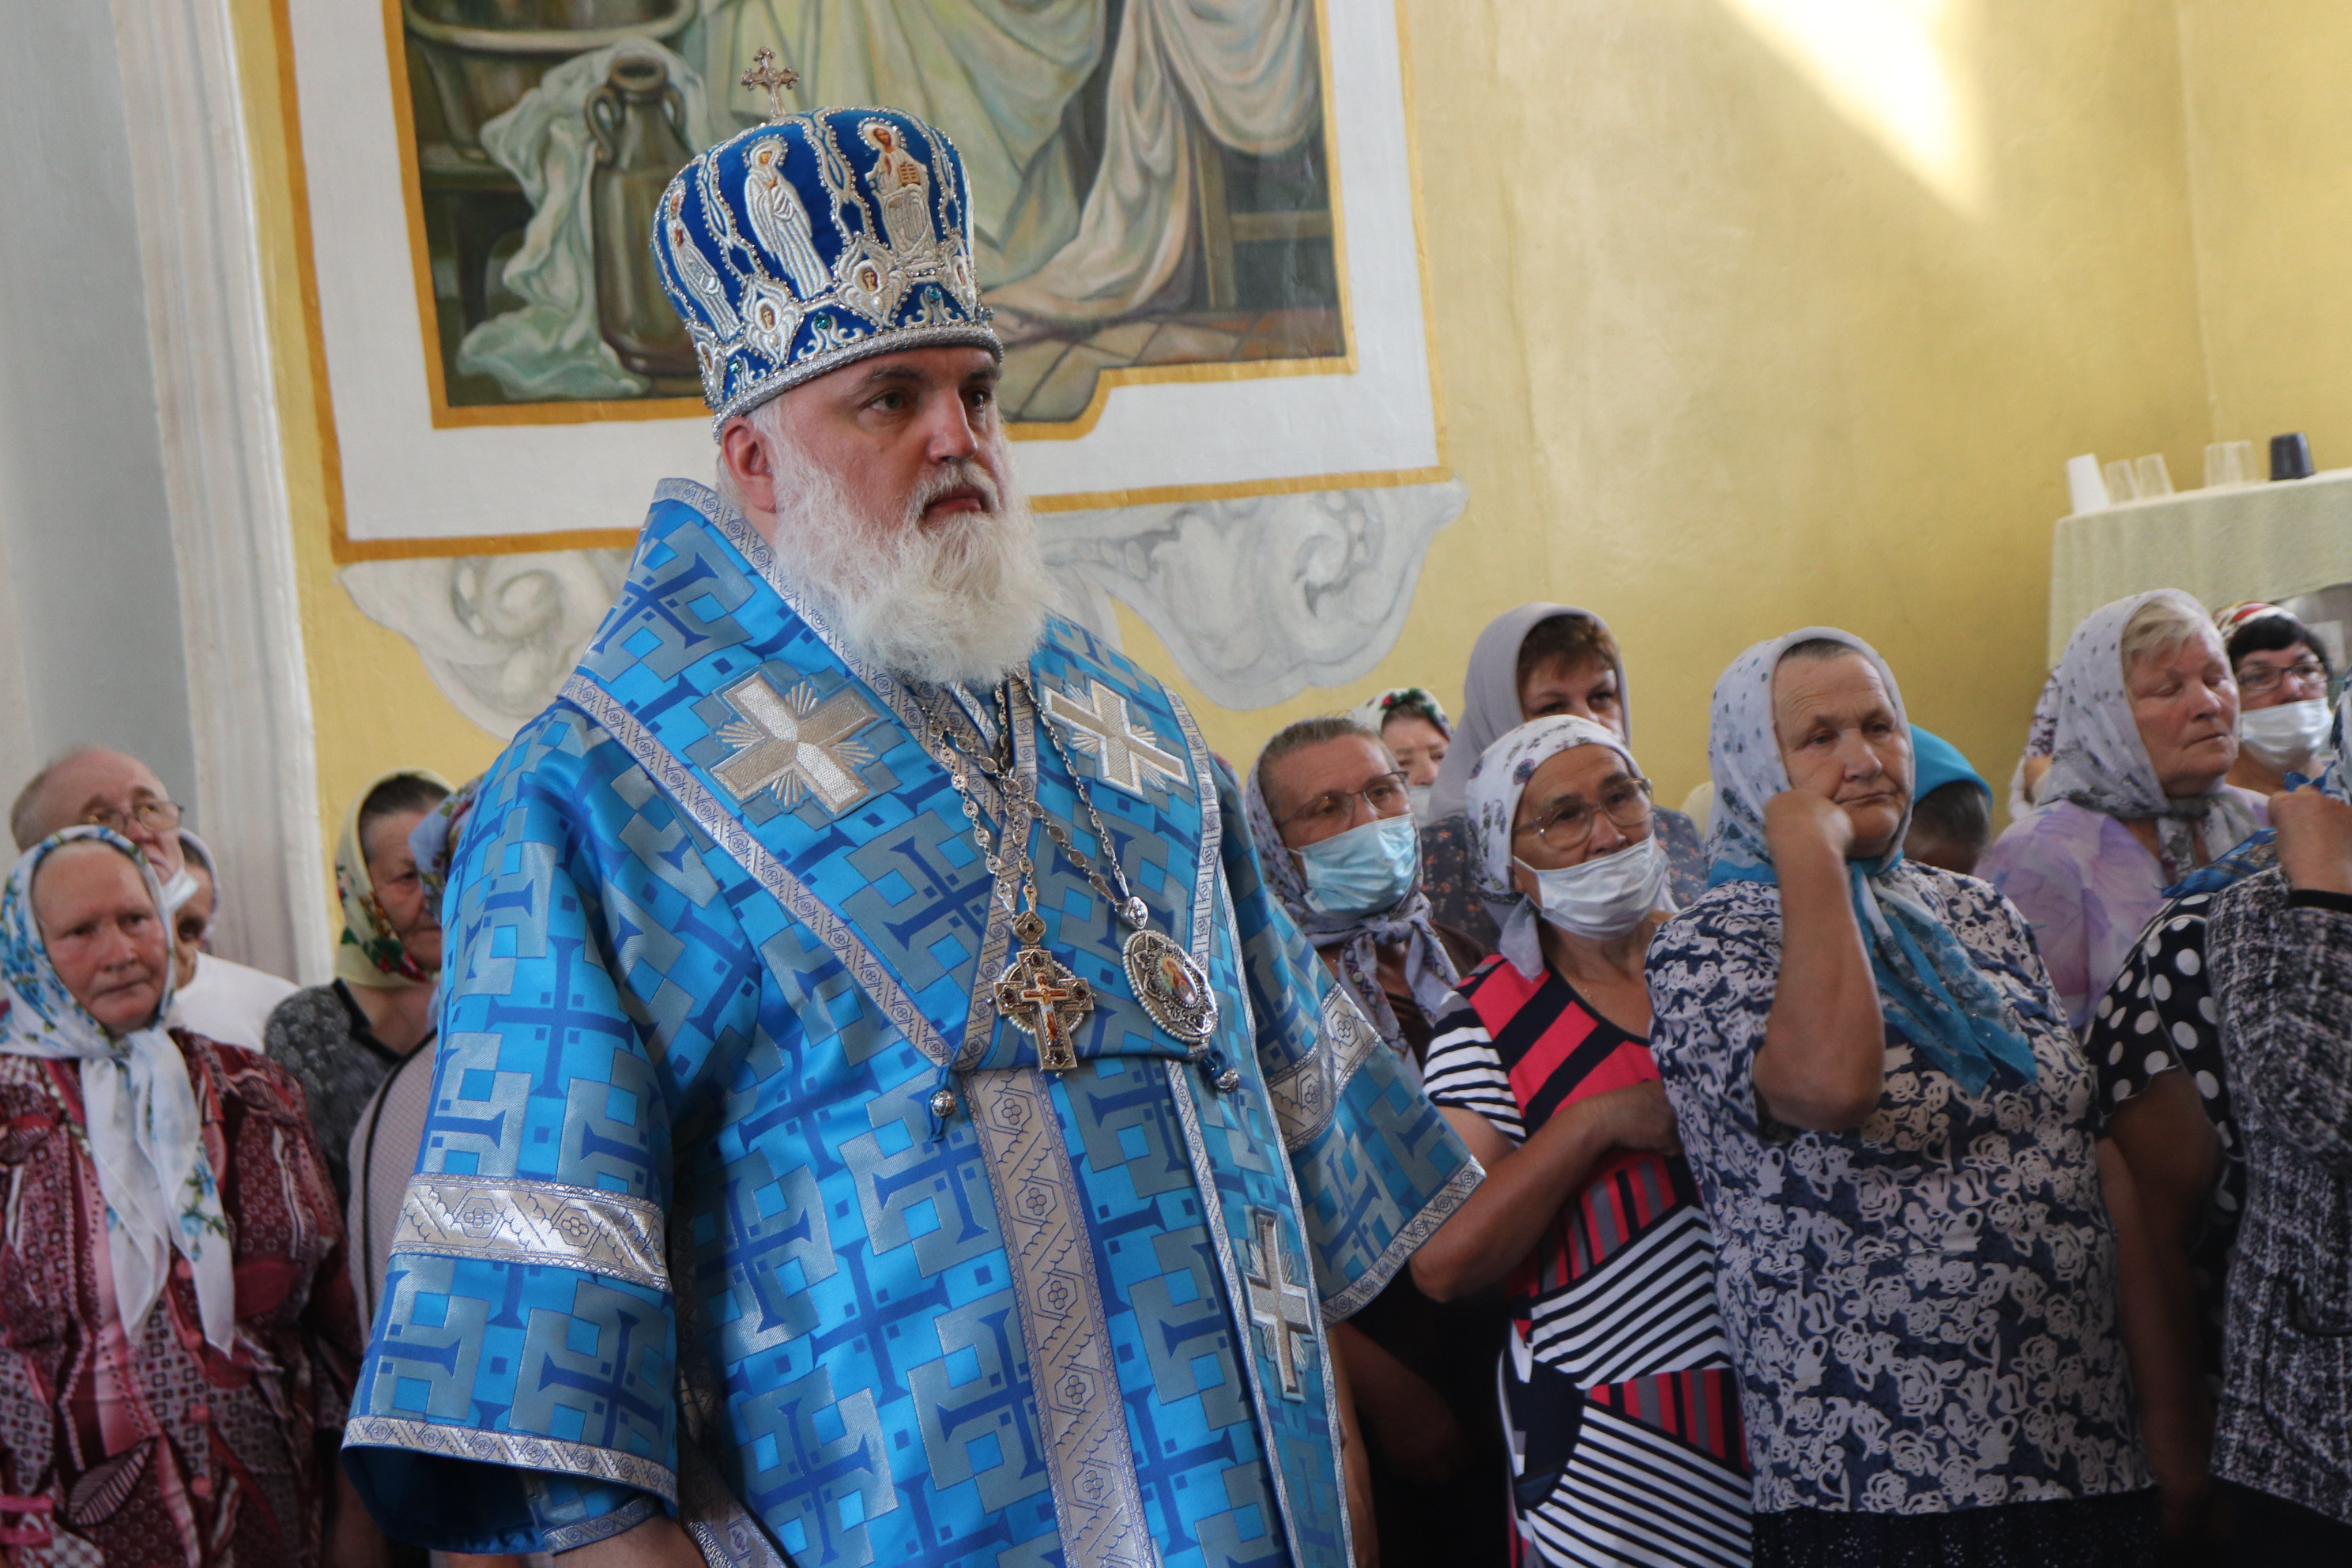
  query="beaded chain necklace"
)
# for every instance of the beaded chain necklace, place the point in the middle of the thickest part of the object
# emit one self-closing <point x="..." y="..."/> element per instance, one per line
<point x="1036" y="993"/>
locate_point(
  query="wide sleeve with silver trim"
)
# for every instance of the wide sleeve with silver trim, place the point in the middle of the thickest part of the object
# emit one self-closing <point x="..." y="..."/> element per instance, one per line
<point x="520" y="1387"/>
<point x="1378" y="1168"/>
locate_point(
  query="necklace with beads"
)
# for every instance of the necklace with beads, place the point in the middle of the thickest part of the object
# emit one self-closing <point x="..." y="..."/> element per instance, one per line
<point x="1036" y="993"/>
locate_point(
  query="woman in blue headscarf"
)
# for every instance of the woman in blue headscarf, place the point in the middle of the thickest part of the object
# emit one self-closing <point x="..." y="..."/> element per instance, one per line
<point x="1894" y="1137"/>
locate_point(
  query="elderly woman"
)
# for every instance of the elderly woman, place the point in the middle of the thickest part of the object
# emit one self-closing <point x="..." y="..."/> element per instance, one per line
<point x="2282" y="673"/>
<point x="176" y="1334"/>
<point x="1894" y="1135"/>
<point x="341" y="1040"/>
<point x="2147" y="727"/>
<point x="1417" y="734"/>
<point x="1332" y="822"/>
<point x="1538" y="661"/>
<point x="2177" y="1078"/>
<point x="1627" y="1443"/>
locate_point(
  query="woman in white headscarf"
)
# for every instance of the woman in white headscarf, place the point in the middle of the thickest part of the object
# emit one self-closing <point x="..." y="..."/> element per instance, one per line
<point x="1538" y="661"/>
<point x="2133" y="800"/>
<point x="179" y="1336"/>
<point x="1897" y="1139"/>
<point x="1616" y="1367"/>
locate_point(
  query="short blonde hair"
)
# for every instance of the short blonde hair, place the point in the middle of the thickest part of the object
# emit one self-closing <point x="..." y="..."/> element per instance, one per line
<point x="2166" y="621"/>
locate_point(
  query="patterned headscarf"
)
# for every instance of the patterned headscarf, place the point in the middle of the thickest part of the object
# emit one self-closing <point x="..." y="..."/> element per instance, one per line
<point x="2101" y="764"/>
<point x="1490" y="700"/>
<point x="1497" y="779"/>
<point x="434" y="841"/>
<point x="145" y="1132"/>
<point x="1401" y="702"/>
<point x="370" y="953"/>
<point x="1929" y="985"/>
<point x="2040" y="739"/>
<point x="2230" y="619"/>
<point x="1428" y="967"/>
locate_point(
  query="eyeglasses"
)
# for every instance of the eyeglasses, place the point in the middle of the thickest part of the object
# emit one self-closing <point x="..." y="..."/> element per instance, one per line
<point x="154" y="815"/>
<point x="1385" y="795"/>
<point x="2261" y="680"/>
<point x="1625" y="803"/>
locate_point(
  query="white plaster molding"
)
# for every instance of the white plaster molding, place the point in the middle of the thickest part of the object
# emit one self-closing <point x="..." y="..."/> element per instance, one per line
<point x="1256" y="599"/>
<point x="225" y="480"/>
<point x="1260" y="597"/>
<point x="499" y="633"/>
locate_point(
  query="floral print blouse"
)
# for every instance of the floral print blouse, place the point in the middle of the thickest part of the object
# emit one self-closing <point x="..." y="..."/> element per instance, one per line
<point x="1923" y="1312"/>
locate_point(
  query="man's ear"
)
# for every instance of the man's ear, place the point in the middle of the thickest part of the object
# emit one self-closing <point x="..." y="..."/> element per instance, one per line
<point x="746" y="459"/>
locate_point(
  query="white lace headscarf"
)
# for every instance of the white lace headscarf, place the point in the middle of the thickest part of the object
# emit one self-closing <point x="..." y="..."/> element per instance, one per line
<point x="145" y="1131"/>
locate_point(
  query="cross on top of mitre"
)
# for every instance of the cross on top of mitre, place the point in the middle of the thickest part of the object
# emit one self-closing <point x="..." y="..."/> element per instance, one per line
<point x="767" y="74"/>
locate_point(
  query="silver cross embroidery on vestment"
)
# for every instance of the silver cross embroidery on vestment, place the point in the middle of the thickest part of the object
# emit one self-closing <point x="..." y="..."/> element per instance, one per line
<point x="1278" y="1304"/>
<point x="791" y="744"/>
<point x="1129" y="754"/>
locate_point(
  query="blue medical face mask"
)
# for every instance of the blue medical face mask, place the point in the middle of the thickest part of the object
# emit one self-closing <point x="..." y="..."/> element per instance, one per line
<point x="1363" y="870"/>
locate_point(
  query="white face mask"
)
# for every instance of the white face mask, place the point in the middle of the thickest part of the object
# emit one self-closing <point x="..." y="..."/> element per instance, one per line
<point x="1419" y="795"/>
<point x="1604" y="898"/>
<point x="179" y="891"/>
<point x="2287" y="736"/>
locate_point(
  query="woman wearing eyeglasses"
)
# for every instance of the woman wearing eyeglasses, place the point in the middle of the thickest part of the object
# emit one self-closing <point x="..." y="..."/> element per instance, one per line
<point x="1331" y="817"/>
<point x="1627" y="1440"/>
<point x="2282" y="712"/>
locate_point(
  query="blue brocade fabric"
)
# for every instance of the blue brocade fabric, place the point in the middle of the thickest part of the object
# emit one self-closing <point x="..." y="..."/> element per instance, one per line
<point x="685" y="1231"/>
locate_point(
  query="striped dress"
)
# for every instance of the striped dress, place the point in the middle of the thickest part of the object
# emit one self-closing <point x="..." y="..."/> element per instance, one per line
<point x="1617" y="1390"/>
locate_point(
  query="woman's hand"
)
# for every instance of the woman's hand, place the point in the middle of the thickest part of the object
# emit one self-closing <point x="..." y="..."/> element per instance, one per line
<point x="1638" y="1117"/>
<point x="2315" y="841"/>
<point x="1800" y="823"/>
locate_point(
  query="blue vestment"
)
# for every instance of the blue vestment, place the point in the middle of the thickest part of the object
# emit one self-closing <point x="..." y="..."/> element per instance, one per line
<point x="685" y="1229"/>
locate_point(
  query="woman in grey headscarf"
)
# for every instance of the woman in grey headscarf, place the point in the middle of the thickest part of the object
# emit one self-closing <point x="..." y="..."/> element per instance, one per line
<point x="1538" y="661"/>
<point x="2133" y="800"/>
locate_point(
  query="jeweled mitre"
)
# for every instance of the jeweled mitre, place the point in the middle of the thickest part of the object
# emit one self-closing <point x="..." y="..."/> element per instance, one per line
<point x="805" y="244"/>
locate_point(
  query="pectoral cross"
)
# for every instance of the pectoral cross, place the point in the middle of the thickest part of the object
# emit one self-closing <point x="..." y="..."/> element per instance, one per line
<point x="1099" y="726"/>
<point x="1278" y="1304"/>
<point x="793" y="744"/>
<point x="776" y="79"/>
<point x="1038" y="995"/>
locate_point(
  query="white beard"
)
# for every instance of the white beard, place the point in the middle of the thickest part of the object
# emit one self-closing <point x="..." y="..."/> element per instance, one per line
<point x="961" y="600"/>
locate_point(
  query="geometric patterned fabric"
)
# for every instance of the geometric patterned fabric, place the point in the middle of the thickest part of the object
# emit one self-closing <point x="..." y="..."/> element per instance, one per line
<point x="685" y="1231"/>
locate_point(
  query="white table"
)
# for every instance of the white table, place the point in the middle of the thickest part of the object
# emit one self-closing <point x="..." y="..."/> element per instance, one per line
<point x="2251" y="541"/>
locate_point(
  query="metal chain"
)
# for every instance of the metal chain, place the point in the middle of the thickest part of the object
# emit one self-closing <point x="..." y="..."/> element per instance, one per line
<point x="1132" y="908"/>
<point x="1020" y="804"/>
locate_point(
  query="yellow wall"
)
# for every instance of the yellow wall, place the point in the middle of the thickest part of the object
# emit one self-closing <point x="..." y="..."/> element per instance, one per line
<point x="1733" y="337"/>
<point x="2269" y="131"/>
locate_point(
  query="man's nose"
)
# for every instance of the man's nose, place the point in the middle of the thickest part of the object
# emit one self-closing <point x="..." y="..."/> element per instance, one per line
<point x="952" y="437"/>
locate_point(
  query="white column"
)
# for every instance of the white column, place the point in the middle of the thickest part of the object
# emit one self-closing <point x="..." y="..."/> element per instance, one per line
<point x="225" y="480"/>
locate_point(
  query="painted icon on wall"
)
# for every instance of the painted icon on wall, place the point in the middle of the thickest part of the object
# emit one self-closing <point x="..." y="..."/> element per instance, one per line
<point x="1153" y="189"/>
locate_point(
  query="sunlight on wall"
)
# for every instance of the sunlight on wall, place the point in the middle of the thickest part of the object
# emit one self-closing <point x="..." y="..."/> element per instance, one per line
<point x="1887" y="66"/>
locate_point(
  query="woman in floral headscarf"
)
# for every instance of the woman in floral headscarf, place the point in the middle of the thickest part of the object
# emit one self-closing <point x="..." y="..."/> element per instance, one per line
<point x="1896" y="1137"/>
<point x="2148" y="729"/>
<point x="1626" y="1439"/>
<point x="341" y="1039"/>
<point x="177" y="1341"/>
